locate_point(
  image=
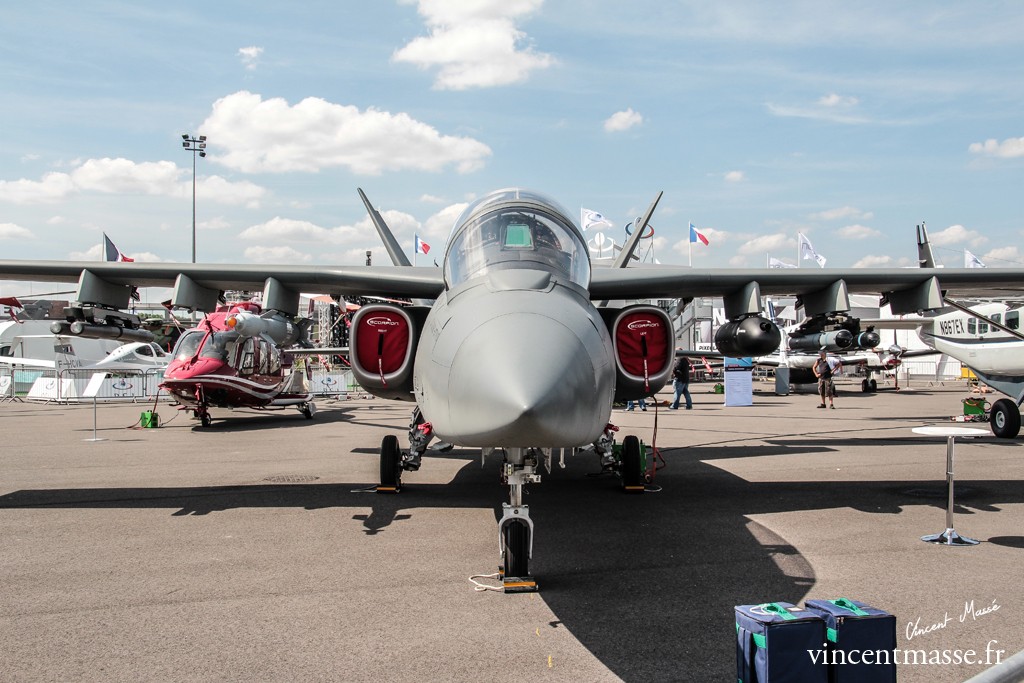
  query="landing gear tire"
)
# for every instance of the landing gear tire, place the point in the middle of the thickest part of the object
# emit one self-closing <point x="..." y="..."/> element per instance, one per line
<point x="632" y="466"/>
<point x="1005" y="419"/>
<point x="872" y="386"/>
<point x="516" y="539"/>
<point x="864" y="386"/>
<point x="390" y="465"/>
<point x="307" y="410"/>
<point x="205" y="419"/>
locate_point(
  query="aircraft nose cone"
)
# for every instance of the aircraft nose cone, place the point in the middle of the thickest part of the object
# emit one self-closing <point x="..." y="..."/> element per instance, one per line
<point x="525" y="379"/>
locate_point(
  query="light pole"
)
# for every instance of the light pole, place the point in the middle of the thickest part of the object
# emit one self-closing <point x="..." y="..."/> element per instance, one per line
<point x="194" y="145"/>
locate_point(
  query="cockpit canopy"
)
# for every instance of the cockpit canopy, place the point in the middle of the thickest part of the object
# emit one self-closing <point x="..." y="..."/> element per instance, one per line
<point x="515" y="229"/>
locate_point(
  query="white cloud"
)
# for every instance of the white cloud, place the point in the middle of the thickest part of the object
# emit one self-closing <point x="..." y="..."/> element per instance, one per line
<point x="122" y="176"/>
<point x="275" y="255"/>
<point x="475" y="43"/>
<point x="260" y="135"/>
<point x="431" y="199"/>
<point x="440" y="224"/>
<point x="250" y="57"/>
<point x="52" y="187"/>
<point x="1004" y="254"/>
<point x="822" y="111"/>
<point x="957" y="234"/>
<point x="834" y="100"/>
<point x="10" y="231"/>
<point x="858" y="232"/>
<point x="286" y="229"/>
<point x="735" y="177"/>
<point x="1009" y="148"/>
<point x="622" y="120"/>
<point x="843" y="212"/>
<point x="873" y="262"/>
<point x="764" y="244"/>
<point x="885" y="261"/>
<point x="95" y="253"/>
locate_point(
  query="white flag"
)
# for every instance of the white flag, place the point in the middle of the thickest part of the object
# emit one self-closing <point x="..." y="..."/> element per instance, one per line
<point x="589" y="219"/>
<point x="807" y="251"/>
<point x="778" y="263"/>
<point x="972" y="261"/>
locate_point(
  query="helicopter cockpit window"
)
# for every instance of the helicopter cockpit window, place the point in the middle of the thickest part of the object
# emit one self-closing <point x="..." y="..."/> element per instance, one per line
<point x="218" y="345"/>
<point x="188" y="344"/>
<point x="516" y="237"/>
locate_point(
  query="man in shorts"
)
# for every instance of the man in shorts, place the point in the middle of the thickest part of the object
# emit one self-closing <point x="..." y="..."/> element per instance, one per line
<point x="825" y="369"/>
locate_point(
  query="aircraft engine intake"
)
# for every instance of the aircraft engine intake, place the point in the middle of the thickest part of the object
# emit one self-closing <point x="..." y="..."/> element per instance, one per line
<point x="644" y="343"/>
<point x="382" y="345"/>
<point x="748" y="336"/>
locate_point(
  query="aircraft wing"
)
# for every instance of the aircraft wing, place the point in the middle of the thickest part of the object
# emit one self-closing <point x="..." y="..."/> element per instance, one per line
<point x="15" y="361"/>
<point x="371" y="280"/>
<point x="680" y="282"/>
<point x="742" y="285"/>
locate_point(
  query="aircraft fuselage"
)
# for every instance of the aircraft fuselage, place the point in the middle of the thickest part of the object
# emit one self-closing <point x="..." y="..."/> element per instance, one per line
<point x="515" y="358"/>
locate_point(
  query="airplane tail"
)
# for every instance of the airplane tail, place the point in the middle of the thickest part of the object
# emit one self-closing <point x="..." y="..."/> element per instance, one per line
<point x="925" y="258"/>
<point x="394" y="249"/>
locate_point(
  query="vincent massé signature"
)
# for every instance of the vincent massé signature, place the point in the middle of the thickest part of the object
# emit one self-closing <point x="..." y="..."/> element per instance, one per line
<point x="970" y="612"/>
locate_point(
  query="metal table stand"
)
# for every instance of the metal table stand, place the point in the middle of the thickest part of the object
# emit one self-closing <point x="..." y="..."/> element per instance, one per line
<point x="949" y="537"/>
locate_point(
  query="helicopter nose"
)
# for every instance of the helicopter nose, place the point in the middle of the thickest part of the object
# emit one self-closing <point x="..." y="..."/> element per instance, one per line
<point x="528" y="380"/>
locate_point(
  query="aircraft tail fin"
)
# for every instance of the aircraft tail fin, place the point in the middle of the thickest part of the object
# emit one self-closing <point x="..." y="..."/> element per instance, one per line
<point x="398" y="256"/>
<point x="924" y="249"/>
<point x="622" y="260"/>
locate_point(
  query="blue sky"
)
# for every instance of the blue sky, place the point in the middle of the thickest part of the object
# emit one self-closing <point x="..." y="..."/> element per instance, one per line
<point x="848" y="122"/>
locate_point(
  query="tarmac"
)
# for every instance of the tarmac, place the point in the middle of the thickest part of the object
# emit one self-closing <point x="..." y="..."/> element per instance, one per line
<point x="252" y="550"/>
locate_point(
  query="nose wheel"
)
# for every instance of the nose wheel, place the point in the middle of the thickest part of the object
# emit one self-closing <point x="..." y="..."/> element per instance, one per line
<point x="515" y="530"/>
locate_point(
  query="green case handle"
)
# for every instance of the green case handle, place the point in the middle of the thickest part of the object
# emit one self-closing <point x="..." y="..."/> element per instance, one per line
<point x="776" y="608"/>
<point x="847" y="604"/>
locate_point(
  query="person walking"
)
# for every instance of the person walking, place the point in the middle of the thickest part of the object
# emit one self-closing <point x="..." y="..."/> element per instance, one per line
<point x="681" y="383"/>
<point x="642" y="402"/>
<point x="825" y="369"/>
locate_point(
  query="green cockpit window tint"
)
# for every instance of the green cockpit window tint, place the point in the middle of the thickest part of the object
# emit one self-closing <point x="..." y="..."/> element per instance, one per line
<point x="518" y="236"/>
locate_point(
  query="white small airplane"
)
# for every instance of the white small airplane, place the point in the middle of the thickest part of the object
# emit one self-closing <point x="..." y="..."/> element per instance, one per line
<point x="29" y="344"/>
<point x="986" y="338"/>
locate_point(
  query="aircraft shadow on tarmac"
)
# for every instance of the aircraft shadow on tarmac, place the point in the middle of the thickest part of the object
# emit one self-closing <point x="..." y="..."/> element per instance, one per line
<point x="648" y="583"/>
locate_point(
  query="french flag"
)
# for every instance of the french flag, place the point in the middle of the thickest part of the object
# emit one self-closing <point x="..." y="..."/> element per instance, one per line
<point x="112" y="253"/>
<point x="697" y="235"/>
<point x="421" y="246"/>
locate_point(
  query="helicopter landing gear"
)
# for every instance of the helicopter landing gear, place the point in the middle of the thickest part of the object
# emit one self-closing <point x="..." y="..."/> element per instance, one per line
<point x="202" y="414"/>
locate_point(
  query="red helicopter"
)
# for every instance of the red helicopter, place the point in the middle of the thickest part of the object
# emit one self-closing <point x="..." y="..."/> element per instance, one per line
<point x="233" y="359"/>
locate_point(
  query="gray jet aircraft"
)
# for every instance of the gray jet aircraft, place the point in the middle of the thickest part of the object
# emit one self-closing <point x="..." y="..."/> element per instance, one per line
<point x="520" y="352"/>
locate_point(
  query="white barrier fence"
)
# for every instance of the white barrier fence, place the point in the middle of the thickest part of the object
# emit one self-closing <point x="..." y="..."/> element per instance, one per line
<point x="73" y="386"/>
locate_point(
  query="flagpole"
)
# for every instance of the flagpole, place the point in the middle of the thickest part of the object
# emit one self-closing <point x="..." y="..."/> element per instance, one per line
<point x="689" y="244"/>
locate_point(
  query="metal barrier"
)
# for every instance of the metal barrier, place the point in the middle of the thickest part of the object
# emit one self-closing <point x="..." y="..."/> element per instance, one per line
<point x="324" y="383"/>
<point x="70" y="386"/>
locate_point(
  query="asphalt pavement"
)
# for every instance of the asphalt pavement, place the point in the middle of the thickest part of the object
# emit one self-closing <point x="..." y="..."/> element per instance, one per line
<point x="253" y="549"/>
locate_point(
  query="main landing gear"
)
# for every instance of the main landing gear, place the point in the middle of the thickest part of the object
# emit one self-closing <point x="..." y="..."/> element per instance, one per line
<point x="1005" y="419"/>
<point x="393" y="462"/>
